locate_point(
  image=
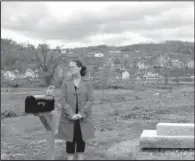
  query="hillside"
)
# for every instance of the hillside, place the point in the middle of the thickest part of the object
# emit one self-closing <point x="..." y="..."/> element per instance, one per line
<point x="21" y="56"/>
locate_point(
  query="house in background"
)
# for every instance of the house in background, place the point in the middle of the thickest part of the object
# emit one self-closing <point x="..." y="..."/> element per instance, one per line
<point x="190" y="64"/>
<point x="176" y="63"/>
<point x="98" y="55"/>
<point x="142" y="65"/>
<point x="29" y="73"/>
<point x="125" y="75"/>
<point x="150" y="75"/>
<point x="9" y="75"/>
<point x="64" y="51"/>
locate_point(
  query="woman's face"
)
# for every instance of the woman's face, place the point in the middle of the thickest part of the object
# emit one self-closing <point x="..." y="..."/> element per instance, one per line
<point x="74" y="69"/>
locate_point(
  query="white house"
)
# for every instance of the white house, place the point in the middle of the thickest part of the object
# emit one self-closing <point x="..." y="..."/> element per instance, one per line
<point x="190" y="64"/>
<point x="177" y="63"/>
<point x="125" y="75"/>
<point x="9" y="75"/>
<point x="150" y="75"/>
<point x="29" y="73"/>
<point x="141" y="65"/>
<point x="98" y="55"/>
<point x="64" y="51"/>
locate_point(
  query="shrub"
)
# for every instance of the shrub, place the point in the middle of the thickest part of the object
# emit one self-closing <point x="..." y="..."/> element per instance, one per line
<point x="8" y="113"/>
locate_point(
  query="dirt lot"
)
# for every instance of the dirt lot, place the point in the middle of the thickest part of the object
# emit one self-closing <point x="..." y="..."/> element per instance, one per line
<point x="118" y="116"/>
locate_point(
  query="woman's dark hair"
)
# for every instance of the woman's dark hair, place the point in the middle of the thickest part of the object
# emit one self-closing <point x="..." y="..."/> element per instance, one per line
<point x="83" y="71"/>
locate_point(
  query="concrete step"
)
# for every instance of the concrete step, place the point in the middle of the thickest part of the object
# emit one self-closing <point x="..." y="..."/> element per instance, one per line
<point x="149" y="139"/>
<point x="175" y="129"/>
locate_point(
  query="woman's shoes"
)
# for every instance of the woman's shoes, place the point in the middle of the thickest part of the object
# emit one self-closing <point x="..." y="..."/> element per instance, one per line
<point x="79" y="156"/>
<point x="70" y="156"/>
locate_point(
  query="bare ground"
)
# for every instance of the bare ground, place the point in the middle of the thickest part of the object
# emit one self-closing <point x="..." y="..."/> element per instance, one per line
<point x="119" y="115"/>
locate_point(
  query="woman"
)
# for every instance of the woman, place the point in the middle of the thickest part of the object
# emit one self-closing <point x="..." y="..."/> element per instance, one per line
<point x="75" y="125"/>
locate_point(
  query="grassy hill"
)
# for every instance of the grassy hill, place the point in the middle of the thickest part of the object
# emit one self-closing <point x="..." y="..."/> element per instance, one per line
<point x="21" y="56"/>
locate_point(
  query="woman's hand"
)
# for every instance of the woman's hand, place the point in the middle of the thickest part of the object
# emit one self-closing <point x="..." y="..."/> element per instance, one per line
<point x="74" y="117"/>
<point x="79" y="116"/>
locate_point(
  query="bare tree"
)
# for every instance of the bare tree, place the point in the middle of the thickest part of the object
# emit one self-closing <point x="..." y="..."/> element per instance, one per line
<point x="163" y="63"/>
<point x="133" y="70"/>
<point x="48" y="61"/>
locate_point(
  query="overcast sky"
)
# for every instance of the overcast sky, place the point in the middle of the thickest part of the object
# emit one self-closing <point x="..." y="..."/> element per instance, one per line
<point x="75" y="24"/>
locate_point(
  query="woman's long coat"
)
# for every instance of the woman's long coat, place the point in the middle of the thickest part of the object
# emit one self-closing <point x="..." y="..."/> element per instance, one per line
<point x="68" y="103"/>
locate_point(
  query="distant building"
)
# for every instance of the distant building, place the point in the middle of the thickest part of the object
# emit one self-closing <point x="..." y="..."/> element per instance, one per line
<point x="176" y="63"/>
<point x="150" y="75"/>
<point x="141" y="65"/>
<point x="125" y="75"/>
<point x="64" y="51"/>
<point x="190" y="64"/>
<point x="98" y="55"/>
<point x="9" y="75"/>
<point x="29" y="73"/>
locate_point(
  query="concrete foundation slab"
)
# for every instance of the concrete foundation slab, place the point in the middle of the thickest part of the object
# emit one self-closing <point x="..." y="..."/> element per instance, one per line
<point x="149" y="139"/>
<point x="175" y="129"/>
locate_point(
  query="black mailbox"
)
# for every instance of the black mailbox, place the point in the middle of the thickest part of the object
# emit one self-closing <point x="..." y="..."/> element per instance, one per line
<point x="39" y="103"/>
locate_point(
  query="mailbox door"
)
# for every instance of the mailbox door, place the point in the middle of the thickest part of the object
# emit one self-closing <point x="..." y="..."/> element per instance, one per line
<point x="30" y="104"/>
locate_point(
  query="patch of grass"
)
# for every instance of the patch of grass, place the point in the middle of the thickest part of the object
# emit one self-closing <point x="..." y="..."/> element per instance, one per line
<point x="115" y="121"/>
<point x="162" y="154"/>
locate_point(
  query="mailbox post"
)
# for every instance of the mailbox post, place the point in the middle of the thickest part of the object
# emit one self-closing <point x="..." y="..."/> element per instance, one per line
<point x="43" y="106"/>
